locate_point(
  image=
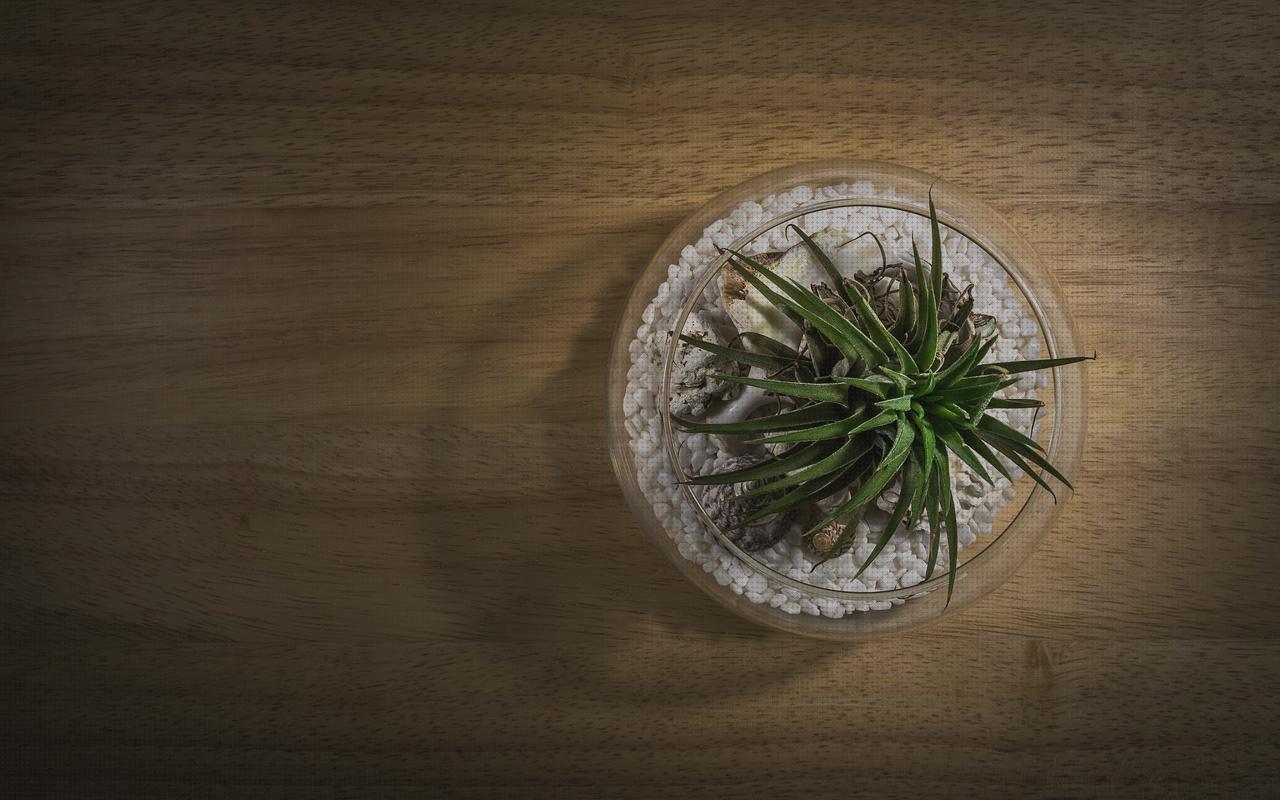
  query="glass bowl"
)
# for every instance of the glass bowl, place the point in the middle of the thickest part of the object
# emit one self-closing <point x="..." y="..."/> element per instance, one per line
<point x="683" y="278"/>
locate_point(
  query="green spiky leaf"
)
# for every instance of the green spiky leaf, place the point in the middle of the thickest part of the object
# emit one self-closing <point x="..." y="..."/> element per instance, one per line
<point x="1015" y="402"/>
<point x="883" y="473"/>
<point x="1028" y="452"/>
<point x="965" y="392"/>
<point x="901" y="381"/>
<point x="928" y="328"/>
<point x="936" y="257"/>
<point x="848" y="453"/>
<point x="980" y="447"/>
<point x="801" y="456"/>
<point x="895" y="404"/>
<point x="951" y="438"/>
<point x="900" y="508"/>
<point x="874" y="385"/>
<point x="769" y="346"/>
<point x="961" y="367"/>
<point x="878" y="333"/>
<point x="904" y="325"/>
<point x="806" y="494"/>
<point x="933" y="513"/>
<point x="787" y="420"/>
<point x="878" y="421"/>
<point x="822" y="392"/>
<point x="994" y="426"/>
<point x="848" y="426"/>
<point x="1009" y="451"/>
<point x="1035" y="364"/>
<point x="947" y="507"/>
<point x="927" y="442"/>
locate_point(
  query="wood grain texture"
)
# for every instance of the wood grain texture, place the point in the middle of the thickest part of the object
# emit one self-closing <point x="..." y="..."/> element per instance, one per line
<point x="303" y="305"/>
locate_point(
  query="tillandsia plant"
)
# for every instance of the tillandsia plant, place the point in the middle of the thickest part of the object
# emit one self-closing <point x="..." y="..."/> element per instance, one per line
<point x="888" y="378"/>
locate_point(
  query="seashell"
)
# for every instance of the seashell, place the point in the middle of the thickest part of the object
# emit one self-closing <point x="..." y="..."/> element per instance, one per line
<point x="723" y="506"/>
<point x="692" y="391"/>
<point x="823" y="540"/>
<point x="889" y="496"/>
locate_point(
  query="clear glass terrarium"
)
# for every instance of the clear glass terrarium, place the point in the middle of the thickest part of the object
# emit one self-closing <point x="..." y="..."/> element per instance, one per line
<point x="684" y="288"/>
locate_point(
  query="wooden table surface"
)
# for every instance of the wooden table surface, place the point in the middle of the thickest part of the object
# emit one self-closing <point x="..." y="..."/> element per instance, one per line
<point x="304" y="480"/>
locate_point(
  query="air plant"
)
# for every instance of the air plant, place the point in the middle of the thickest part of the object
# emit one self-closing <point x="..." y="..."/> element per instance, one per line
<point x="888" y="378"/>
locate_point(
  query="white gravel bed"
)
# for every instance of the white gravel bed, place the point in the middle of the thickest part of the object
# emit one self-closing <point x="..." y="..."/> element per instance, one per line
<point x="902" y="563"/>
